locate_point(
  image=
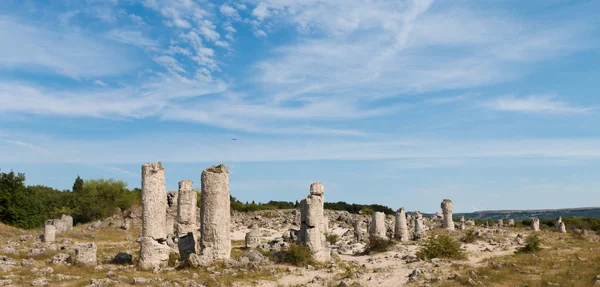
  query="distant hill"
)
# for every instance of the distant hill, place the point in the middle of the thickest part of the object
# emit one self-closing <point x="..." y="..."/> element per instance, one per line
<point x="588" y="212"/>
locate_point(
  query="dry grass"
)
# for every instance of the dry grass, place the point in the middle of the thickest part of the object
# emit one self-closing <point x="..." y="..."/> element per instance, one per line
<point x="565" y="260"/>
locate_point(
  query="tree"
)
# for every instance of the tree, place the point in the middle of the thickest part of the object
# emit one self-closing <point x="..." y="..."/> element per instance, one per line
<point x="78" y="184"/>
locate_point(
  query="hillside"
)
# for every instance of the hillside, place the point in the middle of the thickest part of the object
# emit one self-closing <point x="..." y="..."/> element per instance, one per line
<point x="588" y="212"/>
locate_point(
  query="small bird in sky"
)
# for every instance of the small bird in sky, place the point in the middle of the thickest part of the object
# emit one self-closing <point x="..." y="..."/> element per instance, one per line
<point x="234" y="139"/>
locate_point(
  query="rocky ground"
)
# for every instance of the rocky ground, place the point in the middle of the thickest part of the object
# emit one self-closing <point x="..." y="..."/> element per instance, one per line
<point x="26" y="261"/>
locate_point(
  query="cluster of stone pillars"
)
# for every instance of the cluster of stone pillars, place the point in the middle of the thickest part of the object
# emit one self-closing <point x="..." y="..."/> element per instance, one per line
<point x="313" y="223"/>
<point x="214" y="240"/>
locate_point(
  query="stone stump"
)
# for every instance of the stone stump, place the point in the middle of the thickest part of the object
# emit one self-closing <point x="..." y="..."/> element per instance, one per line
<point x="311" y="223"/>
<point x="536" y="224"/>
<point x="86" y="254"/>
<point x="253" y="237"/>
<point x="461" y="223"/>
<point x="358" y="230"/>
<point x="562" y="228"/>
<point x="557" y="223"/>
<point x="49" y="232"/>
<point x="500" y="223"/>
<point x="511" y="222"/>
<point x="215" y="217"/>
<point x="400" y="227"/>
<point x="154" y="252"/>
<point x="447" y="222"/>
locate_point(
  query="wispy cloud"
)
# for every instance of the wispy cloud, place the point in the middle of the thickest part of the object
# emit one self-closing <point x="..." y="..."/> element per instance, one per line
<point x="534" y="104"/>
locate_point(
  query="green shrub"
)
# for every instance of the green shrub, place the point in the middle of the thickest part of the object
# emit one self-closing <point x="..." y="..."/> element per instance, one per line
<point x="366" y="211"/>
<point x="332" y="238"/>
<point x="532" y="244"/>
<point x="378" y="245"/>
<point x="297" y="255"/>
<point x="442" y="246"/>
<point x="470" y="236"/>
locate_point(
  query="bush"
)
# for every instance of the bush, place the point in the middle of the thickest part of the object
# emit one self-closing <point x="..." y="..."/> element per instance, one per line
<point x="297" y="255"/>
<point x="532" y="244"/>
<point x="442" y="246"/>
<point x="366" y="211"/>
<point x="332" y="238"/>
<point x="378" y="245"/>
<point x="470" y="236"/>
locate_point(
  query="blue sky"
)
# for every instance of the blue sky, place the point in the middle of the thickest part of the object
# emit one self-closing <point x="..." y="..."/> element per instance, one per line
<point x="492" y="104"/>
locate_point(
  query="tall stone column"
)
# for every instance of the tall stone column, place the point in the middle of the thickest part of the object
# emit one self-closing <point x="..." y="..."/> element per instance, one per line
<point x="447" y="224"/>
<point x="536" y="224"/>
<point x="500" y="223"/>
<point x="154" y="252"/>
<point x="215" y="216"/>
<point x="400" y="227"/>
<point x="511" y="222"/>
<point x="418" y="223"/>
<point x="186" y="209"/>
<point x="358" y="230"/>
<point x="312" y="222"/>
<point x="377" y="227"/>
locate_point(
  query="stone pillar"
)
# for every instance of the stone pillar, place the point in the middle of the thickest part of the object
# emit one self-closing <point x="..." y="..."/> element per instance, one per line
<point x="500" y="223"/>
<point x="377" y="227"/>
<point x="447" y="224"/>
<point x="511" y="222"/>
<point x="536" y="224"/>
<point x="557" y="223"/>
<point x="186" y="209"/>
<point x="562" y="228"/>
<point x="49" y="232"/>
<point x="358" y="230"/>
<point x="325" y="227"/>
<point x="311" y="223"/>
<point x="400" y="227"/>
<point x="253" y="237"/>
<point x="215" y="216"/>
<point x="86" y="254"/>
<point x="154" y="252"/>
<point x="418" y="224"/>
<point x="462" y="225"/>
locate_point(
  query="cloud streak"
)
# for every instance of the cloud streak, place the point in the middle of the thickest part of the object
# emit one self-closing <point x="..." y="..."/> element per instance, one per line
<point x="534" y="104"/>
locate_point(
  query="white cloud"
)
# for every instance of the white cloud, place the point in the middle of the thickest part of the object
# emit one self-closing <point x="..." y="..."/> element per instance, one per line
<point x="261" y="11"/>
<point x="100" y="83"/>
<point x="75" y="54"/>
<point x="534" y="104"/>
<point x="131" y="37"/>
<point x="229" y="11"/>
<point x="136" y="19"/>
<point x="260" y="33"/>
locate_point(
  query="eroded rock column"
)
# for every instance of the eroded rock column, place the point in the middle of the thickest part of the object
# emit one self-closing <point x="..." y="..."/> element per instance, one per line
<point x="461" y="223"/>
<point x="511" y="222"/>
<point x="215" y="216"/>
<point x="447" y="222"/>
<point x="536" y="224"/>
<point x="557" y="223"/>
<point x="186" y="209"/>
<point x="154" y="252"/>
<point x="418" y="223"/>
<point x="562" y="228"/>
<point x="500" y="223"/>
<point x="400" y="227"/>
<point x="49" y="232"/>
<point x="311" y="223"/>
<point x="253" y="237"/>
<point x="377" y="226"/>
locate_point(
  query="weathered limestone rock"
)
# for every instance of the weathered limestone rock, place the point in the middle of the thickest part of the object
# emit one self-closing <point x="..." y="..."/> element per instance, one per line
<point x="154" y="252"/>
<point x="562" y="228"/>
<point x="215" y="227"/>
<point x="171" y="218"/>
<point x="401" y="228"/>
<point x="536" y="224"/>
<point x="557" y="223"/>
<point x="186" y="209"/>
<point x="49" y="232"/>
<point x="500" y="223"/>
<point x="418" y="223"/>
<point x="253" y="237"/>
<point x="86" y="254"/>
<point x="63" y="224"/>
<point x="358" y="233"/>
<point x="187" y="245"/>
<point x="447" y="224"/>
<point x="461" y="223"/>
<point x="311" y="223"/>
<point x="377" y="226"/>
<point x="511" y="222"/>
